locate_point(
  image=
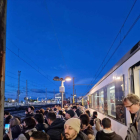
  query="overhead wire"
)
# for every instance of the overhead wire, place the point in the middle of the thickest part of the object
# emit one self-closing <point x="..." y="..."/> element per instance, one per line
<point x="114" y="40"/>
<point x="56" y="36"/>
<point x="136" y="20"/>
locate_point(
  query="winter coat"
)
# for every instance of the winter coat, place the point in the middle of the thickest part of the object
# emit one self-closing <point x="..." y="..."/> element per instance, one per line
<point x="101" y="135"/>
<point x="92" y="120"/>
<point x="55" y="129"/>
<point x="30" y="115"/>
<point x="41" y="127"/>
<point x="16" y="130"/>
<point x="80" y="136"/>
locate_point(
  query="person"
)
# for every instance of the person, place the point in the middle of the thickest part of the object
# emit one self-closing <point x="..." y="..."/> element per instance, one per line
<point x="40" y="125"/>
<point x="42" y="111"/>
<point x="132" y="104"/>
<point x="87" y="112"/>
<point x="15" y="129"/>
<point x="37" y="111"/>
<point x="86" y="127"/>
<point x="28" y="128"/>
<point x="56" y="126"/>
<point x="107" y="133"/>
<point x="30" y="111"/>
<point x="97" y="126"/>
<point x="38" y="135"/>
<point x="77" y="111"/>
<point x="7" y="117"/>
<point x="72" y="130"/>
<point x="95" y="114"/>
<point x="45" y="116"/>
<point x="26" y="111"/>
<point x="69" y="114"/>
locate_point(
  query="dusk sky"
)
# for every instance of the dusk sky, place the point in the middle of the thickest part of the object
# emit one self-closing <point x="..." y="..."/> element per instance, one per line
<point x="48" y="38"/>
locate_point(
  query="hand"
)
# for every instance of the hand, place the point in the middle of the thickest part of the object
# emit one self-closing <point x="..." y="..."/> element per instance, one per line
<point x="10" y="134"/>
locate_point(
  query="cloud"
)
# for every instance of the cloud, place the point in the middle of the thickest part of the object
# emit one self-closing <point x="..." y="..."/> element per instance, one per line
<point x="38" y="90"/>
<point x="84" y="81"/>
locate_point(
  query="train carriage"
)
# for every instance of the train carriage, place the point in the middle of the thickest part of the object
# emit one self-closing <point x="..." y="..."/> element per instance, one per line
<point x="107" y="95"/>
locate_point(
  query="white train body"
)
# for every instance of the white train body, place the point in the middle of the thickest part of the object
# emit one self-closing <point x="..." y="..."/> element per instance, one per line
<point x="105" y="96"/>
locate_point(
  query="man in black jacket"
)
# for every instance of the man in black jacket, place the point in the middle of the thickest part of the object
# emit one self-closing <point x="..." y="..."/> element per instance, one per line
<point x="107" y="133"/>
<point x="30" y="111"/>
<point x="40" y="125"/>
<point x="56" y="126"/>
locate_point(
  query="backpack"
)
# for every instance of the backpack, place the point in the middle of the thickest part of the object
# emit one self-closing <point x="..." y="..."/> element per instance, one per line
<point x="132" y="132"/>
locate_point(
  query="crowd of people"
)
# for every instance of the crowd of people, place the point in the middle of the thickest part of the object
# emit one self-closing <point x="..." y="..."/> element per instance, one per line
<point x="73" y="122"/>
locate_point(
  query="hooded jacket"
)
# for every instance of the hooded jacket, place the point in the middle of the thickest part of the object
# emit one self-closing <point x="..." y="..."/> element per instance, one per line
<point x="42" y="126"/>
<point x="101" y="135"/>
<point x="55" y="129"/>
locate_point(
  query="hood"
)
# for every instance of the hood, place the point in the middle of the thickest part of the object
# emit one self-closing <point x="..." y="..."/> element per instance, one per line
<point x="108" y="136"/>
<point x="58" y="123"/>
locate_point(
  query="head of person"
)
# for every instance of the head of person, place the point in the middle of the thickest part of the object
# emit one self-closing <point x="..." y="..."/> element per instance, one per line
<point x="31" y="109"/>
<point x="55" y="109"/>
<point x="95" y="114"/>
<point x="74" y="108"/>
<point x="77" y="105"/>
<point x="45" y="114"/>
<point x="60" y="112"/>
<point x="18" y="118"/>
<point x="14" y="122"/>
<point x="87" y="112"/>
<point x="6" y="114"/>
<point x="84" y="120"/>
<point x="69" y="114"/>
<point x="39" y="135"/>
<point x="42" y="111"/>
<point x="26" y="111"/>
<point x="72" y="128"/>
<point x="39" y="118"/>
<point x="37" y="111"/>
<point x="29" y="123"/>
<point x="131" y="102"/>
<point x="106" y="123"/>
<point x="51" y="117"/>
<point x="66" y="107"/>
<point x="48" y="109"/>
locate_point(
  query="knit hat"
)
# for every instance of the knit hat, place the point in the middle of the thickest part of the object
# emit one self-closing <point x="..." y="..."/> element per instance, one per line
<point x="71" y="113"/>
<point x="74" y="123"/>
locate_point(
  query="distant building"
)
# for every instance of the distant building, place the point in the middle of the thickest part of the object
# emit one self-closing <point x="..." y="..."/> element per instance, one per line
<point x="58" y="97"/>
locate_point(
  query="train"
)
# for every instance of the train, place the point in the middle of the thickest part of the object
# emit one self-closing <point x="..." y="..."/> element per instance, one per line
<point x="106" y="96"/>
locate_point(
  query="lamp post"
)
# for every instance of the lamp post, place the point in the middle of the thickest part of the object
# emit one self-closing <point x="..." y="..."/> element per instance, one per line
<point x="62" y="88"/>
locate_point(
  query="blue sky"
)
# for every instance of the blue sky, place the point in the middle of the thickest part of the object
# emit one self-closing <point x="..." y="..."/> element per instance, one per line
<point x="64" y="38"/>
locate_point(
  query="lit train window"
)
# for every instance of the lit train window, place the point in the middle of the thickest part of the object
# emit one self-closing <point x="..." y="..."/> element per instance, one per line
<point x="101" y="101"/>
<point x="111" y="105"/>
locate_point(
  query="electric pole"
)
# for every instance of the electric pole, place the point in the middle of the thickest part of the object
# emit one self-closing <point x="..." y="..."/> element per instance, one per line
<point x="18" y="92"/>
<point x="73" y="89"/>
<point x="3" y="5"/>
<point x="26" y="93"/>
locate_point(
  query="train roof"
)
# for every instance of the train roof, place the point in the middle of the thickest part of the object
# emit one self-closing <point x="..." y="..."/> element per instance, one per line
<point x="119" y="63"/>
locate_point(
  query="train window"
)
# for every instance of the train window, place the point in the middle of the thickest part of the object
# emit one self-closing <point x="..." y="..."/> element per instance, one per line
<point x="111" y="100"/>
<point x="92" y="101"/>
<point x="95" y="101"/>
<point x="101" y="101"/>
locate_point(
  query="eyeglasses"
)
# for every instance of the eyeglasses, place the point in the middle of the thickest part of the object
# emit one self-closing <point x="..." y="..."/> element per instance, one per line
<point x="128" y="106"/>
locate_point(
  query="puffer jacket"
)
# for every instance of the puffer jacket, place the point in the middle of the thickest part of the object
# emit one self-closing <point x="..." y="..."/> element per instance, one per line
<point x="55" y="129"/>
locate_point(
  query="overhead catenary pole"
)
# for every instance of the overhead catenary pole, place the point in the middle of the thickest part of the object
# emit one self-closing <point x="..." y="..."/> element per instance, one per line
<point x="26" y="93"/>
<point x="18" y="93"/>
<point x="3" y="4"/>
<point x="73" y="89"/>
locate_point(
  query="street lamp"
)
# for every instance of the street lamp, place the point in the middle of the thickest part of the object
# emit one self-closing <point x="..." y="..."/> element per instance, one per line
<point x="62" y="88"/>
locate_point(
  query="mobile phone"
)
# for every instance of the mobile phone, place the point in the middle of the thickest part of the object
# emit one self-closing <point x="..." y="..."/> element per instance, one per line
<point x="7" y="126"/>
